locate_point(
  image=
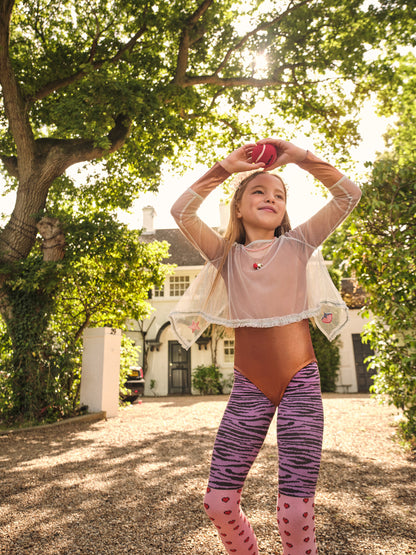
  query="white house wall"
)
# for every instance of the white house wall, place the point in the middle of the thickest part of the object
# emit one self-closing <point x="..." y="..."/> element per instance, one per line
<point x="158" y="358"/>
<point x="347" y="379"/>
<point x="158" y="362"/>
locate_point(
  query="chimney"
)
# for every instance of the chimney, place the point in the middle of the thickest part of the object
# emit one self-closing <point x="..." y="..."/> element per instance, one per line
<point x="148" y="220"/>
<point x="224" y="216"/>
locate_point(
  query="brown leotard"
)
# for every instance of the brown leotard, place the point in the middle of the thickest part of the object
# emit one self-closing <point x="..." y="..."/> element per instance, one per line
<point x="270" y="357"/>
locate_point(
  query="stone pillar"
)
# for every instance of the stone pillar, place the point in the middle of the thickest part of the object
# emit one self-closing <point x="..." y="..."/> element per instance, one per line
<point x="101" y="370"/>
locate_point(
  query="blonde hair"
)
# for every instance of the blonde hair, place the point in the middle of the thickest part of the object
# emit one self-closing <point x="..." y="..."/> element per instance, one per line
<point x="235" y="232"/>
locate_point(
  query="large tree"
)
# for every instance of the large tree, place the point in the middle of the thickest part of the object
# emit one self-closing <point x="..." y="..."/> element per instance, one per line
<point x="127" y="84"/>
<point x="80" y="78"/>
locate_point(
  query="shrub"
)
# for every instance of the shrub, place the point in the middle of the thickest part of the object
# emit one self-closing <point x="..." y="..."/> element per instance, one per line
<point x="329" y="360"/>
<point x="207" y="380"/>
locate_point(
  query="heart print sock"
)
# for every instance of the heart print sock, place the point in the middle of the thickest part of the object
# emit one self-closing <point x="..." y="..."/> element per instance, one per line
<point x="223" y="508"/>
<point x="296" y="521"/>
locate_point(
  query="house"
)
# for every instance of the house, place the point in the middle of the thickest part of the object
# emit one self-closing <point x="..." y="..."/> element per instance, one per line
<point x="168" y="367"/>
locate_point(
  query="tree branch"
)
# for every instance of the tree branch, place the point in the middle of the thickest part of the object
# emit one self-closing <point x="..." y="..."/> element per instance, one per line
<point x="81" y="328"/>
<point x="53" y="157"/>
<point x="62" y="153"/>
<point x="77" y="76"/>
<point x="234" y="81"/>
<point x="262" y="27"/>
<point x="15" y="107"/>
<point x="185" y="42"/>
<point x="198" y="13"/>
<point x="183" y="80"/>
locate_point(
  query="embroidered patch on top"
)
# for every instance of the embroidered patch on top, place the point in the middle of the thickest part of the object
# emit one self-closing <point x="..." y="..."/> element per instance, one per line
<point x="195" y="326"/>
<point x="327" y="318"/>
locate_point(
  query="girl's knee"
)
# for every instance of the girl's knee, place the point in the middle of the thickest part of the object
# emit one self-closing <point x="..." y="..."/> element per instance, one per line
<point x="221" y="504"/>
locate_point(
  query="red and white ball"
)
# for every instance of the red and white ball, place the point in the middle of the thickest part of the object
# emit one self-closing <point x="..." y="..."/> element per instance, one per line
<point x="265" y="153"/>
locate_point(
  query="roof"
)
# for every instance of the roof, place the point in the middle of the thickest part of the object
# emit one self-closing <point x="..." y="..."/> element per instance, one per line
<point x="181" y="251"/>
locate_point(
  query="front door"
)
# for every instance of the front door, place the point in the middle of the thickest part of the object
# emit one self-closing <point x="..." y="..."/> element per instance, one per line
<point x="361" y="352"/>
<point x="179" y="369"/>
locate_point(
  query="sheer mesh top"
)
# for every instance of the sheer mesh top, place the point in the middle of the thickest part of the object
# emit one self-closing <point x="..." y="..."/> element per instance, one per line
<point x="291" y="286"/>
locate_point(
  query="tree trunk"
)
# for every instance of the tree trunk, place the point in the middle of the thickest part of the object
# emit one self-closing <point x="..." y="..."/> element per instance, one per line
<point x="53" y="239"/>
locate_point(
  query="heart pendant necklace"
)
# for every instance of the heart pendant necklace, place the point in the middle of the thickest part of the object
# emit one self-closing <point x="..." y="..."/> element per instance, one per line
<point x="259" y="265"/>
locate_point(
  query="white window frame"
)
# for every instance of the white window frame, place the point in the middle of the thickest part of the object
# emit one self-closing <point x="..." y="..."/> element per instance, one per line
<point x="228" y="350"/>
<point x="159" y="292"/>
<point x="178" y="285"/>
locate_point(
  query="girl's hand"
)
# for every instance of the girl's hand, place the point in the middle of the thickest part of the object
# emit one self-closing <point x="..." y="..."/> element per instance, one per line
<point x="240" y="160"/>
<point x="286" y="152"/>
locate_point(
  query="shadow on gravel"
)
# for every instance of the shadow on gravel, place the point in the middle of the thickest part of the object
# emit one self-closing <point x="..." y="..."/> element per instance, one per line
<point x="377" y="509"/>
<point x="123" y="509"/>
<point x="145" y="497"/>
<point x="381" y="500"/>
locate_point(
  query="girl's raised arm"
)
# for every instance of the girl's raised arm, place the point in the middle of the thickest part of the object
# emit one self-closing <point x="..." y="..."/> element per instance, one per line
<point x="346" y="195"/>
<point x="205" y="239"/>
<point x="209" y="243"/>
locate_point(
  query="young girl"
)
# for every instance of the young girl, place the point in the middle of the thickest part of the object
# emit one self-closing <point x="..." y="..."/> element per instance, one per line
<point x="262" y="280"/>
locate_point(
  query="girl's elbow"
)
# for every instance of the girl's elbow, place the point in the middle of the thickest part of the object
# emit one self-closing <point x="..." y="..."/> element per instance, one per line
<point x="175" y="212"/>
<point x="358" y="195"/>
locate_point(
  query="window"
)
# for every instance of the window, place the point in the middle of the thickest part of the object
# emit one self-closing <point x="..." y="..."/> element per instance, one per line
<point x="159" y="292"/>
<point x="228" y="350"/>
<point x="178" y="285"/>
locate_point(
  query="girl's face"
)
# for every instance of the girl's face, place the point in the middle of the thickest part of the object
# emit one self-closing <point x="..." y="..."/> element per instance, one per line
<point x="262" y="207"/>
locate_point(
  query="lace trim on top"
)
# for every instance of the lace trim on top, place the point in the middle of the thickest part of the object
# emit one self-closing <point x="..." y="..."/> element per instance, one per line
<point x="258" y="323"/>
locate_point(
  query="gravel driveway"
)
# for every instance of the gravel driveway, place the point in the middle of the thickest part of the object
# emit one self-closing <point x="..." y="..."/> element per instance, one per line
<point x="134" y="484"/>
